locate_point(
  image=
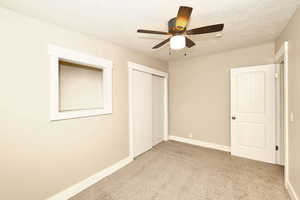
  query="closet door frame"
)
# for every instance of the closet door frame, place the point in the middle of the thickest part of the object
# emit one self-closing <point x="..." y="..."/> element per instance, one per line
<point x="131" y="67"/>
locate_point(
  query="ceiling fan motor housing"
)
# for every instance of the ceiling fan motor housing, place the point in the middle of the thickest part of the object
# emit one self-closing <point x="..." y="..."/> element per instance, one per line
<point x="172" y="26"/>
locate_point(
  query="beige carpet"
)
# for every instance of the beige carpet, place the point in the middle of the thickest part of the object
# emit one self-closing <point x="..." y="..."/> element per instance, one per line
<point x="177" y="171"/>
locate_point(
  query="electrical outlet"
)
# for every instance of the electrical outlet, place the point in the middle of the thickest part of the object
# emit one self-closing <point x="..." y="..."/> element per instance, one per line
<point x="191" y="135"/>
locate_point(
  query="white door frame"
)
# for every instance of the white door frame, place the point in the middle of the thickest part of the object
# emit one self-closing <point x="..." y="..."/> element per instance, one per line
<point x="278" y="109"/>
<point x="133" y="66"/>
<point x="282" y="56"/>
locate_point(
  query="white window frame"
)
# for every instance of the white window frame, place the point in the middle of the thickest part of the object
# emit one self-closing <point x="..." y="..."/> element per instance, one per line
<point x="57" y="54"/>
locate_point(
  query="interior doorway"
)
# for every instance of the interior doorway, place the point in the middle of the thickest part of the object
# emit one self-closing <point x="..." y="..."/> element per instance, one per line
<point x="258" y="107"/>
<point x="253" y="114"/>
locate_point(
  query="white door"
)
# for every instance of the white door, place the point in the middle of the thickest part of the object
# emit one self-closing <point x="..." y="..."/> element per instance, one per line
<point x="141" y="112"/>
<point x="157" y="109"/>
<point x="253" y="112"/>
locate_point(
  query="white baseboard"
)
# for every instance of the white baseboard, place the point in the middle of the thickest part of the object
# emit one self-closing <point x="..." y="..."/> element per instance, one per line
<point x="291" y="191"/>
<point x="75" y="189"/>
<point x="200" y="143"/>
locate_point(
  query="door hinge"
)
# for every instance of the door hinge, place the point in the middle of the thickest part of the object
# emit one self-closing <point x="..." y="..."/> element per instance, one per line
<point x="276" y="75"/>
<point x="276" y="147"/>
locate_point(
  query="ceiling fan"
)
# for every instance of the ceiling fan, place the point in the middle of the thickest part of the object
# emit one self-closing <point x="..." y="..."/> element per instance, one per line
<point x="177" y="30"/>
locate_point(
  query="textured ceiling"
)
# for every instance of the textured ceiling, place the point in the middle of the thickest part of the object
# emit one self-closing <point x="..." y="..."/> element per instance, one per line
<point x="247" y="22"/>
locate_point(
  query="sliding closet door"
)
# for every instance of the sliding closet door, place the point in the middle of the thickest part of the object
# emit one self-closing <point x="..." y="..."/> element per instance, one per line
<point x="141" y="112"/>
<point x="157" y="109"/>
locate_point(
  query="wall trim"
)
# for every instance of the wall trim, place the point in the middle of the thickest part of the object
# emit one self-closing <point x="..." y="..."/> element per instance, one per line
<point x="149" y="70"/>
<point x="84" y="184"/>
<point x="291" y="191"/>
<point x="200" y="143"/>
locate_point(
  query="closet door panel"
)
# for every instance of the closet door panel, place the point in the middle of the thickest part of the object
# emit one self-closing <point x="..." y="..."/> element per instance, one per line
<point x="157" y="109"/>
<point x="142" y="111"/>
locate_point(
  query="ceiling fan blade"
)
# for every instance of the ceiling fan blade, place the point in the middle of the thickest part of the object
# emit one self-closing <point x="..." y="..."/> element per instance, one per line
<point x="206" y="29"/>
<point x="189" y="42"/>
<point x="161" y="44"/>
<point x="183" y="16"/>
<point x="152" y="32"/>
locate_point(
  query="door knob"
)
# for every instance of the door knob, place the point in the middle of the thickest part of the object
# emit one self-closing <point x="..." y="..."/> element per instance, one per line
<point x="234" y="118"/>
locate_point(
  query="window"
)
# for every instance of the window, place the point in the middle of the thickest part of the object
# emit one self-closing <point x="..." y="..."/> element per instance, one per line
<point x="81" y="85"/>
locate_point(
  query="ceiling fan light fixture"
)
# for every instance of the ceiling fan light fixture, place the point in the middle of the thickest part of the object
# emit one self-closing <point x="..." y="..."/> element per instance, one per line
<point x="177" y="29"/>
<point x="177" y="42"/>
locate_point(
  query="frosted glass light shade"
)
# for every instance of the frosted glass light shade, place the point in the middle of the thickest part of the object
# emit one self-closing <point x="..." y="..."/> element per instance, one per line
<point x="177" y="42"/>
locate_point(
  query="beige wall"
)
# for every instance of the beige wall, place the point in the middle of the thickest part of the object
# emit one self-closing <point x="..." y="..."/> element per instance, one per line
<point x="200" y="92"/>
<point x="292" y="34"/>
<point x="39" y="158"/>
